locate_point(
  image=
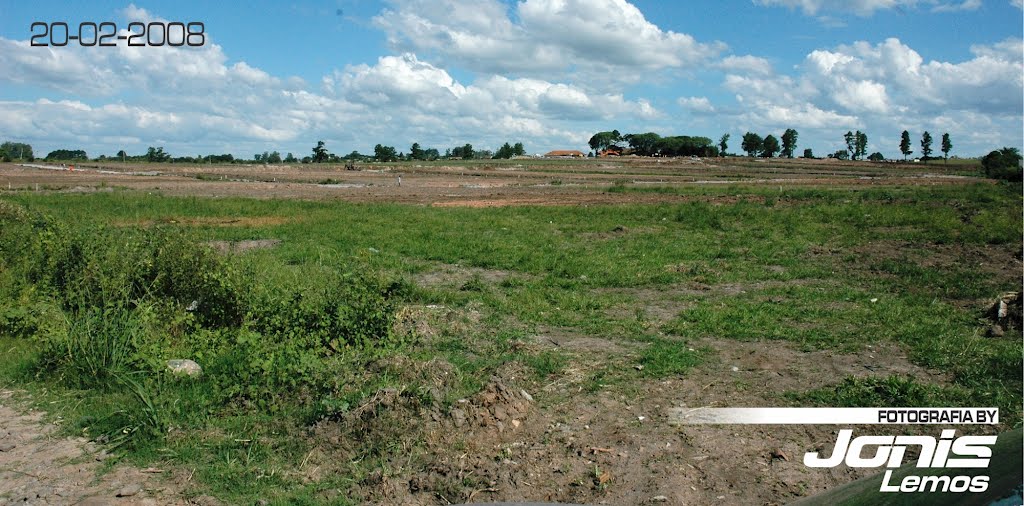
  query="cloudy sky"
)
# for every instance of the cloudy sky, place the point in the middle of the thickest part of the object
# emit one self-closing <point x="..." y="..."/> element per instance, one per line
<point x="548" y="73"/>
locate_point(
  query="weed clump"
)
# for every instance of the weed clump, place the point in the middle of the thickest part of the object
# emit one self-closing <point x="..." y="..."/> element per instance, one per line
<point x="109" y="307"/>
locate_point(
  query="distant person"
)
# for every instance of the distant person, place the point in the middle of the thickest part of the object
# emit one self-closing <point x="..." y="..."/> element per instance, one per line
<point x="399" y="180"/>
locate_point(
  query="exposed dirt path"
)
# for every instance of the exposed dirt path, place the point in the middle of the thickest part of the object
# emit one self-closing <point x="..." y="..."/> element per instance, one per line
<point x="39" y="466"/>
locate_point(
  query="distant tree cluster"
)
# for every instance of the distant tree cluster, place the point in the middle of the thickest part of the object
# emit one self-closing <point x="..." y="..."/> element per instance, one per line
<point x="508" y="151"/>
<point x="10" y="151"/>
<point x="67" y="154"/>
<point x="767" y="147"/>
<point x="856" y="144"/>
<point x="268" y="157"/>
<point x="653" y="144"/>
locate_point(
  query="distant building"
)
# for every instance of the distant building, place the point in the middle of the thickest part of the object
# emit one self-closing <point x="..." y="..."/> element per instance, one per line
<point x="615" y="151"/>
<point x="564" y="153"/>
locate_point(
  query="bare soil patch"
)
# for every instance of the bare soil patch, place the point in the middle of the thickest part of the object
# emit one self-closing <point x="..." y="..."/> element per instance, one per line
<point x="519" y="441"/>
<point x="39" y="466"/>
<point x="484" y="184"/>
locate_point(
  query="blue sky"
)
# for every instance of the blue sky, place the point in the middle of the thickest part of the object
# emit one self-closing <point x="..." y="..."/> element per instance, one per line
<point x="548" y="73"/>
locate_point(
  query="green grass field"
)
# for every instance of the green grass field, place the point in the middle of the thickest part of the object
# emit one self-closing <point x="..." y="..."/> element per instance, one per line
<point x="94" y="291"/>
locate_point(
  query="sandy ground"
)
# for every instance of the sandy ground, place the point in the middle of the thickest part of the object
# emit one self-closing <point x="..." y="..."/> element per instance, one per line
<point x="501" y="183"/>
<point x="38" y="466"/>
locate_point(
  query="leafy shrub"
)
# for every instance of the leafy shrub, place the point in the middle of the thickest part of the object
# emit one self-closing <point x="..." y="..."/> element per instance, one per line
<point x="1003" y="164"/>
<point x="126" y="300"/>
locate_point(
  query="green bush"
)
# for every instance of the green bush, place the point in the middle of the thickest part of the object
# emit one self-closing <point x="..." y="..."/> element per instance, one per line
<point x="111" y="305"/>
<point x="100" y="346"/>
<point x="1003" y="164"/>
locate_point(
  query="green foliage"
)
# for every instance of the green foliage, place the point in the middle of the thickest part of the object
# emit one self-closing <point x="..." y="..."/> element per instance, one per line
<point x="604" y="140"/>
<point x="1003" y="164"/>
<point x="643" y="144"/>
<point x="862" y="144"/>
<point x="789" y="139"/>
<point x="905" y="144"/>
<point x="723" y="144"/>
<point x="320" y="153"/>
<point x="464" y="152"/>
<point x="685" y="145"/>
<point x="947" y="145"/>
<point x="856" y="144"/>
<point x="508" y="151"/>
<point x="752" y="144"/>
<point x="101" y="345"/>
<point x="877" y="157"/>
<point x="926" y="145"/>
<point x="67" y="154"/>
<point x="156" y="155"/>
<point x="769" y="147"/>
<point x="10" y="151"/>
<point x="842" y="154"/>
<point x="383" y="153"/>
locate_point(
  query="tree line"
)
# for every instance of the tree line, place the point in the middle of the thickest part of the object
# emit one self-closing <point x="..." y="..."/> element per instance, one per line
<point x="652" y="144"/>
<point x="1001" y="164"/>
<point x="926" y="146"/>
<point x="382" y="153"/>
<point x="767" y="147"/>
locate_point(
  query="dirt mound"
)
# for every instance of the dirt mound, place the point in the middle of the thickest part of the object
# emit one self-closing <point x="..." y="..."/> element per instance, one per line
<point x="497" y="406"/>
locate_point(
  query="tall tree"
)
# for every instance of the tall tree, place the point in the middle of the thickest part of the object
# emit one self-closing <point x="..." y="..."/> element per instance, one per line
<point x="947" y="146"/>
<point x="752" y="144"/>
<point x="851" y="144"/>
<point x="862" y="145"/>
<point x="416" y="152"/>
<point x="319" y="153"/>
<point x="905" y="145"/>
<point x="604" y="140"/>
<point x="723" y="144"/>
<point x="789" y="138"/>
<point x="770" y="146"/>
<point x="926" y="145"/>
<point x="518" y="149"/>
<point x="384" y="153"/>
